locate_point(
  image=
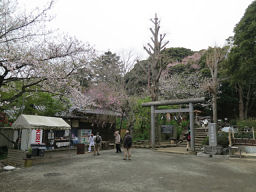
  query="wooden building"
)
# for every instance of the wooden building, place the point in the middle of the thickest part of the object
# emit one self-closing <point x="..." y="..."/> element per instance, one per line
<point x="85" y="122"/>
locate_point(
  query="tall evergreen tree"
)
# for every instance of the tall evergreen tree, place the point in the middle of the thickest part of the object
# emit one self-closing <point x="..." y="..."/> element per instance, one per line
<point x="242" y="60"/>
<point x="107" y="68"/>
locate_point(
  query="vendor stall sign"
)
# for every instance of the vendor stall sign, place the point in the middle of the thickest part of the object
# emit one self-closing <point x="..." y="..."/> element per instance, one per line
<point x="36" y="136"/>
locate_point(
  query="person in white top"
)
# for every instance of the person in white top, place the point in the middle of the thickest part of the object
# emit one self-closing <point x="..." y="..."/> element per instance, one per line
<point x="91" y="142"/>
<point x="117" y="142"/>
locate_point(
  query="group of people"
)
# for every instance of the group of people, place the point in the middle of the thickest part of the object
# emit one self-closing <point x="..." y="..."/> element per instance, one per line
<point x="127" y="144"/>
<point x="95" y="141"/>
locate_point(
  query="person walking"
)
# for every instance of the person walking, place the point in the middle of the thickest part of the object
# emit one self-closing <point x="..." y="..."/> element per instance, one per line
<point x="117" y="142"/>
<point x="97" y="143"/>
<point x="91" y="143"/>
<point x="127" y="145"/>
<point x="188" y="138"/>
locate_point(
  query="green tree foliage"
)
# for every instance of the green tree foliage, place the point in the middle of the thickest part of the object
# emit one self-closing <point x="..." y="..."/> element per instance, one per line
<point x="176" y="54"/>
<point x="247" y="123"/>
<point x="242" y="56"/>
<point x="136" y="80"/>
<point x="41" y="103"/>
<point x="141" y="129"/>
<point x="227" y="101"/>
<point x="107" y="68"/>
<point x="204" y="70"/>
<point x="241" y="65"/>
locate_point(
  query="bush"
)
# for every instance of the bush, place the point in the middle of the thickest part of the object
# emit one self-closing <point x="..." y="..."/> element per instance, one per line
<point x="242" y="125"/>
<point x="243" y="135"/>
<point x="206" y="141"/>
<point x="222" y="140"/>
<point x="247" y="123"/>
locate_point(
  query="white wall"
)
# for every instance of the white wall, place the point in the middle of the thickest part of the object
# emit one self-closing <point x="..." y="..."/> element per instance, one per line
<point x="25" y="139"/>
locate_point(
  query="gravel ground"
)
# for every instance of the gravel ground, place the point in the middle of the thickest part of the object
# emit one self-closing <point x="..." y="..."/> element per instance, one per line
<point x="148" y="171"/>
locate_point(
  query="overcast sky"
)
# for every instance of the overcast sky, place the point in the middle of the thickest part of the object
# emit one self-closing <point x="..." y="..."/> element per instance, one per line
<point x="123" y="25"/>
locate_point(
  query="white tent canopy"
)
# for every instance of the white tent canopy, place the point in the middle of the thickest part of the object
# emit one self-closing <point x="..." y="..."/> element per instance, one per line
<point x="40" y="122"/>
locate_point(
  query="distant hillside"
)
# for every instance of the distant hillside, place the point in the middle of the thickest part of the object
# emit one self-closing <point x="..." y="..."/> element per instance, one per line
<point x="190" y="62"/>
<point x="136" y="80"/>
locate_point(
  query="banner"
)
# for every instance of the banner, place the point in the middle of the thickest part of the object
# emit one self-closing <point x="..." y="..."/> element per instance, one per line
<point x="36" y="136"/>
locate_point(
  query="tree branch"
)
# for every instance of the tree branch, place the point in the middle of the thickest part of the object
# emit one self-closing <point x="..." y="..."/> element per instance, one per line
<point x="26" y="23"/>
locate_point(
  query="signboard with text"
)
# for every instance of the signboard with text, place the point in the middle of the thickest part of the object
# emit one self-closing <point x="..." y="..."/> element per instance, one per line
<point x="36" y="136"/>
<point x="167" y="129"/>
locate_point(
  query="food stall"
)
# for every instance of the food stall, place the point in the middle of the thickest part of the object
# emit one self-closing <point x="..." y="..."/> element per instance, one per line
<point x="31" y="130"/>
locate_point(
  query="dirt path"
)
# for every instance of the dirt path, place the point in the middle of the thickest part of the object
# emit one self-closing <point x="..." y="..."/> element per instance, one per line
<point x="148" y="171"/>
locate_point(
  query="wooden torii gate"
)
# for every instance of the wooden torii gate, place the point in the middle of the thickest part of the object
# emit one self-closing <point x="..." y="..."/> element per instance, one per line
<point x="190" y="110"/>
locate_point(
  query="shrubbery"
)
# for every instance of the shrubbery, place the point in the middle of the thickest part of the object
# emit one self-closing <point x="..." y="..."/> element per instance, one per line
<point x="222" y="140"/>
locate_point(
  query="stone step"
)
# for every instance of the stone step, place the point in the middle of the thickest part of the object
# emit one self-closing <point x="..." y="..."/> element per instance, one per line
<point x="199" y="139"/>
<point x="205" y="129"/>
<point x="201" y="133"/>
<point x="199" y="143"/>
<point x="200" y="136"/>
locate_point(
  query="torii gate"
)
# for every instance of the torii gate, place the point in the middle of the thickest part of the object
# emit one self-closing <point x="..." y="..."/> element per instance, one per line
<point x="154" y="110"/>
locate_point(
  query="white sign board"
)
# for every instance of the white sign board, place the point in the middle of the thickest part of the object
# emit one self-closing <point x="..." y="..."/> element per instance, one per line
<point x="212" y="134"/>
<point x="36" y="136"/>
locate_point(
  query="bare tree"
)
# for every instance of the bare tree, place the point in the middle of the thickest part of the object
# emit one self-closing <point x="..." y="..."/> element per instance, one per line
<point x="213" y="58"/>
<point x="156" y="64"/>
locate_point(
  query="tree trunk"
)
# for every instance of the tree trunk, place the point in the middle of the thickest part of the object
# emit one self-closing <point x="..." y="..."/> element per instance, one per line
<point x="241" y="102"/>
<point x="149" y="77"/>
<point x="121" y="122"/>
<point x="214" y="107"/>
<point x="155" y="67"/>
<point x="247" y="103"/>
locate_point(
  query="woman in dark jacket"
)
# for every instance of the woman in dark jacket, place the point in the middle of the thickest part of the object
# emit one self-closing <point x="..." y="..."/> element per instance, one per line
<point x="127" y="145"/>
<point x="188" y="138"/>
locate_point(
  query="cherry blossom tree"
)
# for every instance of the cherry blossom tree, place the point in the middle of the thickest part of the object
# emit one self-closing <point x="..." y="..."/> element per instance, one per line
<point x="183" y="79"/>
<point x="107" y="86"/>
<point x="107" y="97"/>
<point x="182" y="85"/>
<point x="33" y="59"/>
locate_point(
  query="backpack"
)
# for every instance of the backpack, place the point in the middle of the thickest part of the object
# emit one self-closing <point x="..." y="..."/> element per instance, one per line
<point x="128" y="141"/>
<point x="189" y="137"/>
<point x="97" y="139"/>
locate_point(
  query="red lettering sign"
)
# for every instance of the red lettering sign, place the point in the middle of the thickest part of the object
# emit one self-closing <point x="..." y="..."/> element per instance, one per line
<point x="38" y="136"/>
